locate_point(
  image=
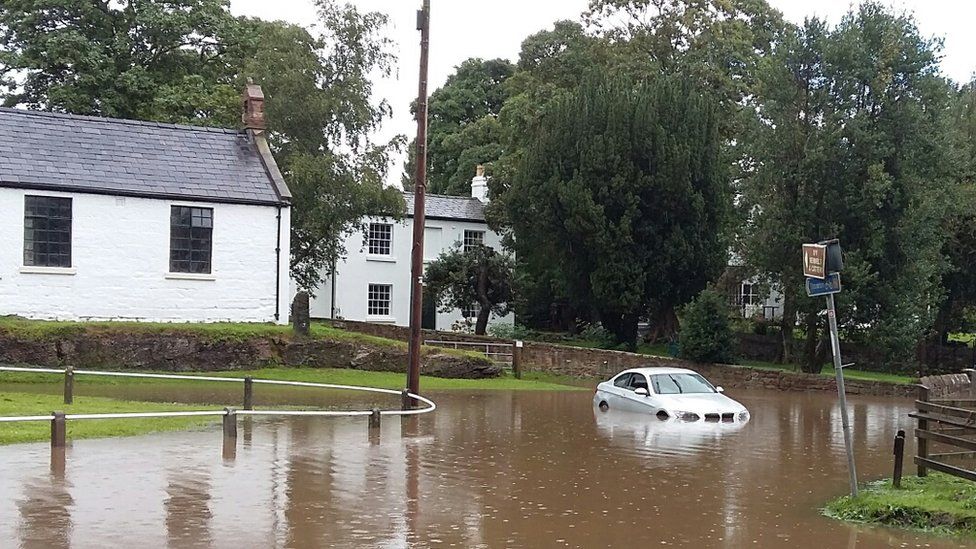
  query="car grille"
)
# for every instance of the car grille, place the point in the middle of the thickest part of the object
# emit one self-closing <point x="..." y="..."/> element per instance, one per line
<point x="725" y="417"/>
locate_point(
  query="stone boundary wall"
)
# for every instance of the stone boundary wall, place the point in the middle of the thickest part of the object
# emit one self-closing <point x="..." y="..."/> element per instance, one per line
<point x="600" y="364"/>
<point x="948" y="384"/>
<point x="179" y="352"/>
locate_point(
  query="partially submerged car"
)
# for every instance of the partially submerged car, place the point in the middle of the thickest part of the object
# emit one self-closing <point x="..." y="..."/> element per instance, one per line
<point x="668" y="393"/>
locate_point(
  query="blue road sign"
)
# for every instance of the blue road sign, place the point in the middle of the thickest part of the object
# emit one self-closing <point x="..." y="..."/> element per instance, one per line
<point x="827" y="286"/>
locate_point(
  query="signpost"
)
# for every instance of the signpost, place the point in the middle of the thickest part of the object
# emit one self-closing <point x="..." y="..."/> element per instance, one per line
<point x="821" y="265"/>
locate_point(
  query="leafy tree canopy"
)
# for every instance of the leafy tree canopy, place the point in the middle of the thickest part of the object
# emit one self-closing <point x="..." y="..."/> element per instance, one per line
<point x="480" y="276"/>
<point x="622" y="192"/>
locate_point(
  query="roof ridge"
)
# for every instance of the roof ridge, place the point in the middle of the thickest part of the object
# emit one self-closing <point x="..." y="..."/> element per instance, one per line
<point x="454" y="196"/>
<point x="126" y="121"/>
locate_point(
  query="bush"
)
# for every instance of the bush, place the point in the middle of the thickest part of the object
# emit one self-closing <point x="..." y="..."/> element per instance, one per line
<point x="509" y="331"/>
<point x="706" y="333"/>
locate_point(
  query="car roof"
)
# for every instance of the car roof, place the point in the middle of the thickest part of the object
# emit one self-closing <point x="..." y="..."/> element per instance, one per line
<point x="659" y="370"/>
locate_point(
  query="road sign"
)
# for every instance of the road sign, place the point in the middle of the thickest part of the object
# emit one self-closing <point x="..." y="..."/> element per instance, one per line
<point x="815" y="261"/>
<point x="830" y="285"/>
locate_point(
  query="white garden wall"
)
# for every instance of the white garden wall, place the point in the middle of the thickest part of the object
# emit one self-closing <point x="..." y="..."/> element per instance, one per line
<point x="120" y="264"/>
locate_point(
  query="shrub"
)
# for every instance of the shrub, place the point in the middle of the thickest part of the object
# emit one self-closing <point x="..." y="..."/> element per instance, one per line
<point x="706" y="333"/>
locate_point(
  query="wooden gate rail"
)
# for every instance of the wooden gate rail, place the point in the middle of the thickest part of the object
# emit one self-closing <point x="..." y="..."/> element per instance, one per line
<point x="950" y="422"/>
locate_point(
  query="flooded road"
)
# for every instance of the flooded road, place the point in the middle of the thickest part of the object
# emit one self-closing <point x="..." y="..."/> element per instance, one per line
<point x="487" y="469"/>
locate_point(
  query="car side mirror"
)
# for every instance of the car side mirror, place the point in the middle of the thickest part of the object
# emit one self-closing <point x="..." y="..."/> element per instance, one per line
<point x="641" y="391"/>
<point x="719" y="389"/>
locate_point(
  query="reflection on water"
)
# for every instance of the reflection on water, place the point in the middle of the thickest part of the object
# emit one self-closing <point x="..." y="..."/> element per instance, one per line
<point x="492" y="469"/>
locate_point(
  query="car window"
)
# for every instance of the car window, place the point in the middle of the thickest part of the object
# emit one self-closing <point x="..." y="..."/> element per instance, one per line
<point x="665" y="385"/>
<point x="622" y="380"/>
<point x="637" y="381"/>
<point x="672" y="384"/>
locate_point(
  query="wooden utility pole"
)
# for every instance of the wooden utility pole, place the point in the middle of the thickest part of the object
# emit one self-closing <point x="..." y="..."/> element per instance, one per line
<point x="420" y="189"/>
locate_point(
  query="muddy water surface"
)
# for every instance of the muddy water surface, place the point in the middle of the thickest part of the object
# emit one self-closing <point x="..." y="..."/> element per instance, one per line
<point x="487" y="469"/>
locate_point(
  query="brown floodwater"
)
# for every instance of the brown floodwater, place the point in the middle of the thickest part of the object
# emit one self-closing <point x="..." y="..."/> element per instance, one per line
<point x="487" y="469"/>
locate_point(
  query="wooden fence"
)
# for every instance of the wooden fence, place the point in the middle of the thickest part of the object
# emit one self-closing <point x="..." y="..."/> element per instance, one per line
<point x="946" y="414"/>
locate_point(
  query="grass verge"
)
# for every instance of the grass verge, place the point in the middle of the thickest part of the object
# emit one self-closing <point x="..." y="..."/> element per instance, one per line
<point x="28" y="404"/>
<point x="937" y="503"/>
<point x="828" y="371"/>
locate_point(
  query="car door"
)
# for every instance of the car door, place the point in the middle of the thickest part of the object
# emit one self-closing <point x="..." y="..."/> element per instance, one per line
<point x="634" y="401"/>
<point x="616" y="392"/>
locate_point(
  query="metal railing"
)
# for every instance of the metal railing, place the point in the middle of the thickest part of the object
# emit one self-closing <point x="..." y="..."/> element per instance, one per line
<point x="500" y="353"/>
<point x="58" y="419"/>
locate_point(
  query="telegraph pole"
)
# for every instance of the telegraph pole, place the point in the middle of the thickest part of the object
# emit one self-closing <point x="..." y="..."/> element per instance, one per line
<point x="420" y="189"/>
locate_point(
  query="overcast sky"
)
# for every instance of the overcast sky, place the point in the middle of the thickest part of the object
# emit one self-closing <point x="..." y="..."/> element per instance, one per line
<point x="479" y="28"/>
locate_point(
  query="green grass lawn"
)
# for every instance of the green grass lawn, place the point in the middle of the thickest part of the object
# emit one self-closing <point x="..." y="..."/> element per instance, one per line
<point x="829" y="372"/>
<point x="937" y="503"/>
<point x="29" y="404"/>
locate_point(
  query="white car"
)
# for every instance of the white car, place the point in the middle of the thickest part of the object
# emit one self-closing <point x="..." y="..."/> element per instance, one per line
<point x="668" y="393"/>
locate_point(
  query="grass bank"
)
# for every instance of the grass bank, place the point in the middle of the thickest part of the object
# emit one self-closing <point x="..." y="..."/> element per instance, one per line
<point x="216" y="331"/>
<point x="937" y="503"/>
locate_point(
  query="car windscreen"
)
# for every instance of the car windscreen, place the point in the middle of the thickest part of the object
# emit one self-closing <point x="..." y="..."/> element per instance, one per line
<point x="676" y="384"/>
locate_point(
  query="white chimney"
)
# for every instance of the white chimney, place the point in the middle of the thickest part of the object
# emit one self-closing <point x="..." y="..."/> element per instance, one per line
<point x="479" y="185"/>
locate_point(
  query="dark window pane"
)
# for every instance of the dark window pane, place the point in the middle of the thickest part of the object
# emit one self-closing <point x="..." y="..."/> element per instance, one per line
<point x="190" y="240"/>
<point x="47" y="231"/>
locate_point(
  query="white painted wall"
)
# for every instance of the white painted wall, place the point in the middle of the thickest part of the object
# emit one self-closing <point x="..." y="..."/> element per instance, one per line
<point x="120" y="264"/>
<point x="359" y="270"/>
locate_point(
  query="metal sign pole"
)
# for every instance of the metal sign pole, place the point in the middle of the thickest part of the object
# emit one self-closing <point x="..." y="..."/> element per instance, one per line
<point x="839" y="371"/>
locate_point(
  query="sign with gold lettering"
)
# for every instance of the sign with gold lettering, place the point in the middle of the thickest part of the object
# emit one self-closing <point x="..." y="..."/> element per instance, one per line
<point x="815" y="261"/>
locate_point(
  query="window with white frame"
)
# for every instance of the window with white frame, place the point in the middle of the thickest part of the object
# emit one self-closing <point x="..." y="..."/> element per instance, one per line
<point x="473" y="239"/>
<point x="471" y="311"/>
<point x="378" y="299"/>
<point x="749" y="294"/>
<point x="380" y="238"/>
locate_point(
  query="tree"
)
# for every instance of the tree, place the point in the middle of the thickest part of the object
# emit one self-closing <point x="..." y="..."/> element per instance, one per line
<point x="463" y="127"/>
<point x="706" y="334"/>
<point x="621" y="190"/>
<point x="481" y="276"/>
<point x="850" y="142"/>
<point x="186" y="61"/>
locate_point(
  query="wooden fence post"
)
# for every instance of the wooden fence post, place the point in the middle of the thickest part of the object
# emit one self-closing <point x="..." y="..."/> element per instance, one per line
<point x="406" y="402"/>
<point x="248" y="393"/>
<point x="517" y="359"/>
<point x="899" y="458"/>
<point x="374" y="419"/>
<point x="230" y="423"/>
<point x="69" y="385"/>
<point x="923" y="425"/>
<point x="59" y="430"/>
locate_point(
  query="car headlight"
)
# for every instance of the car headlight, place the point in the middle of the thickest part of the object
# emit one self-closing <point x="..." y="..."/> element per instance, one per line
<point x="743" y="415"/>
<point x="687" y="416"/>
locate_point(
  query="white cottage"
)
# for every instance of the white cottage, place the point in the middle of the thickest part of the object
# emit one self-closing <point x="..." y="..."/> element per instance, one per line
<point x="109" y="219"/>
<point x="372" y="284"/>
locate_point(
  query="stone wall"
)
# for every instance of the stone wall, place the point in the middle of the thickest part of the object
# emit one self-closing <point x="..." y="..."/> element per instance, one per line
<point x="601" y="364"/>
<point x="193" y="352"/>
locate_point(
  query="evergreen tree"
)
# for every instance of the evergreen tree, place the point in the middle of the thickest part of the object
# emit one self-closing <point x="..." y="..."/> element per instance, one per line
<point x="621" y="191"/>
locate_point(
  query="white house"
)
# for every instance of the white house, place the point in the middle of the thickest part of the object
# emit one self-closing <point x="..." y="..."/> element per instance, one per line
<point x="372" y="284"/>
<point x="109" y="219"/>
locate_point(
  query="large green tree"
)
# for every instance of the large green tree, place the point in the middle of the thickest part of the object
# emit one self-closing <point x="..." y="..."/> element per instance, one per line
<point x="463" y="279"/>
<point x="463" y="127"/>
<point x="621" y="189"/>
<point x="186" y="61"/>
<point x="850" y="142"/>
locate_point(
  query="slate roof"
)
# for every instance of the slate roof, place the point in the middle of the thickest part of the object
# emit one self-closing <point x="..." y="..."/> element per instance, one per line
<point x="47" y="151"/>
<point x="439" y="206"/>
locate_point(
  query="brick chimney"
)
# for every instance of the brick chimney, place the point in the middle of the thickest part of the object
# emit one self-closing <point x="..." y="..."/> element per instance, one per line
<point x="479" y="184"/>
<point x="253" y="107"/>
